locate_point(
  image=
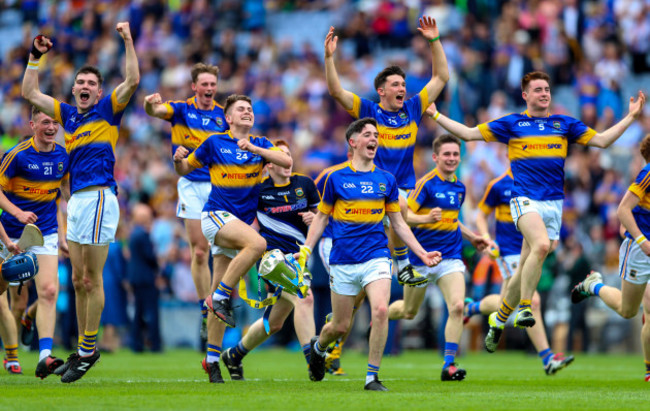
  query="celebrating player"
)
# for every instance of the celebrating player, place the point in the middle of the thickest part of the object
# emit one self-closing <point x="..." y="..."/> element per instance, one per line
<point x="634" y="265"/>
<point x="434" y="208"/>
<point x="537" y="146"/>
<point x="192" y="121"/>
<point x="398" y="120"/>
<point x="358" y="195"/>
<point x="31" y="175"/>
<point x="91" y="130"/>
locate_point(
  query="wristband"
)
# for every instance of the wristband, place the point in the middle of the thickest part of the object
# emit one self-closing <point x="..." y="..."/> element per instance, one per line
<point x="32" y="65"/>
<point x="35" y="52"/>
<point x="306" y="247"/>
<point x="640" y="239"/>
<point x="432" y="40"/>
<point x="435" y="116"/>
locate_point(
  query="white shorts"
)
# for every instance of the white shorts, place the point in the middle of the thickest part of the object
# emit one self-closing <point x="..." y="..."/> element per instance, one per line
<point x="633" y="264"/>
<point x="445" y="267"/>
<point x="50" y="246"/>
<point x="550" y="211"/>
<point x="349" y="279"/>
<point x="211" y="223"/>
<point x="325" y="249"/>
<point x="508" y="265"/>
<point x="93" y="217"/>
<point x="192" y="196"/>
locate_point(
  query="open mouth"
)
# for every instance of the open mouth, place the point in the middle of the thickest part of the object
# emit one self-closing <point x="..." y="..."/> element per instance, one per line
<point x="208" y="95"/>
<point x="84" y="96"/>
<point x="372" y="147"/>
<point x="50" y="133"/>
<point x="400" y="98"/>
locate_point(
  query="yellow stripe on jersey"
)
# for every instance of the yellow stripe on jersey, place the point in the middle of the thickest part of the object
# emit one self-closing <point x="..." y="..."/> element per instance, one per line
<point x="359" y="211"/>
<point x="41" y="191"/>
<point x="588" y="135"/>
<point x="486" y="133"/>
<point x="235" y="175"/>
<point x="390" y="137"/>
<point x="503" y="213"/>
<point x="413" y="194"/>
<point x="644" y="183"/>
<point x="449" y="221"/>
<point x="644" y="198"/>
<point x="536" y="147"/>
<point x="193" y="161"/>
<point x="91" y="133"/>
<point x="117" y="106"/>
<point x="325" y="208"/>
<point x="190" y="138"/>
<point x="485" y="208"/>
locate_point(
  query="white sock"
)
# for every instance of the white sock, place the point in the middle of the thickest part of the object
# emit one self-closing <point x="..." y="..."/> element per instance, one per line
<point x="402" y="263"/>
<point x="370" y="378"/>
<point x="320" y="350"/>
<point x="44" y="354"/>
<point x="218" y="296"/>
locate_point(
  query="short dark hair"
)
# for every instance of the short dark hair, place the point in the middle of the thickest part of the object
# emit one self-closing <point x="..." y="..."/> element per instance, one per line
<point x="35" y="112"/>
<point x="200" y="68"/>
<point x="644" y="148"/>
<point x="444" y="139"/>
<point x="93" y="70"/>
<point x="233" y="98"/>
<point x="534" y="75"/>
<point x="356" y="126"/>
<point x="380" y="80"/>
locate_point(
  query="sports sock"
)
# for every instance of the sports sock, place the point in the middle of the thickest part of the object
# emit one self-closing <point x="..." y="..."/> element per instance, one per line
<point x="45" y="348"/>
<point x="214" y="353"/>
<point x="87" y="346"/>
<point x="11" y="353"/>
<point x="595" y="288"/>
<point x="524" y="304"/>
<point x="204" y="309"/>
<point x="319" y="349"/>
<point x="647" y="371"/>
<point x="239" y="352"/>
<point x="79" y="340"/>
<point x="402" y="257"/>
<point x="223" y="292"/>
<point x="504" y="312"/>
<point x="373" y="370"/>
<point x="546" y="356"/>
<point x="450" y="353"/>
<point x="306" y="351"/>
<point x="473" y="308"/>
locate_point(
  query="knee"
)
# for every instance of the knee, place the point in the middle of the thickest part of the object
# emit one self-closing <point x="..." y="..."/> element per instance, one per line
<point x="258" y="246"/>
<point x="380" y="313"/>
<point x="628" y="313"/>
<point x="536" y="302"/>
<point x="541" y="249"/>
<point x="341" y="327"/>
<point x="78" y="283"/>
<point x="200" y="254"/>
<point x="307" y="302"/>
<point x="274" y="327"/>
<point x="48" y="293"/>
<point x="456" y="308"/>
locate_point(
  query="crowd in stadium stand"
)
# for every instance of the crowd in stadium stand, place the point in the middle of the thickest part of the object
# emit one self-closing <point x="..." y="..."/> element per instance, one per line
<point x="596" y="53"/>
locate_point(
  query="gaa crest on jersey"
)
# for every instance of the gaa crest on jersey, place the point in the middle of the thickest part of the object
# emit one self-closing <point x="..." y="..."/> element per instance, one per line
<point x="402" y="115"/>
<point x="460" y="198"/>
<point x="300" y="192"/>
<point x="219" y="121"/>
<point x="556" y="124"/>
<point x="60" y="166"/>
<point x="382" y="187"/>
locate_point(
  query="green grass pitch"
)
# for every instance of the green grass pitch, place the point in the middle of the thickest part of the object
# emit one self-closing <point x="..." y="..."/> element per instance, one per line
<point x="277" y="380"/>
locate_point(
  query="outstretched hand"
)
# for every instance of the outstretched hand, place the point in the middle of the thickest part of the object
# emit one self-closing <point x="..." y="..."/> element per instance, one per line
<point x="428" y="28"/>
<point x="636" y="106"/>
<point x="124" y="29"/>
<point x="330" y="43"/>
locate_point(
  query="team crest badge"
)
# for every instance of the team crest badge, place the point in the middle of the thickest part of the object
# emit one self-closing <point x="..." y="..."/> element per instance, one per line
<point x="526" y="202"/>
<point x="219" y="121"/>
<point x="382" y="187"/>
<point x="633" y="273"/>
<point x="60" y="166"/>
<point x="556" y="124"/>
<point x="402" y="115"/>
<point x="299" y="192"/>
<point x="226" y="215"/>
<point x="460" y="198"/>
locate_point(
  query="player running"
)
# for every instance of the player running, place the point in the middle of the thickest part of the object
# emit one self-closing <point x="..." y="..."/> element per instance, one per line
<point x="91" y="129"/>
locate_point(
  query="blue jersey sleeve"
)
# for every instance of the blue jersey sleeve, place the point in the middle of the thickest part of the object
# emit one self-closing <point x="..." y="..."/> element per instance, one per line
<point x="416" y="105"/>
<point x="202" y="156"/>
<point x="497" y="130"/>
<point x="110" y="110"/>
<point x="579" y="132"/>
<point x="176" y="111"/>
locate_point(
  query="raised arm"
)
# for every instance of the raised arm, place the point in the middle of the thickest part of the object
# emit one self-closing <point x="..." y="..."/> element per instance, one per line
<point x="181" y="165"/>
<point x="153" y="105"/>
<point x="624" y="212"/>
<point x="459" y="130"/>
<point x="440" y="71"/>
<point x="344" y="97"/>
<point x="30" y="88"/>
<point x="609" y="136"/>
<point x="125" y="90"/>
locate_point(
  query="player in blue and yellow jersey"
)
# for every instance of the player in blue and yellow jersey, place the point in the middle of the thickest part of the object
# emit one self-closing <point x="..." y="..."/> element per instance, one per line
<point x="434" y="208"/>
<point x="31" y="175"/>
<point x="506" y="250"/>
<point x="192" y="121"/>
<point x="236" y="160"/>
<point x="91" y="129"/>
<point x="634" y="258"/>
<point x="286" y="208"/>
<point x="358" y="195"/>
<point x="537" y="147"/>
<point x="398" y="120"/>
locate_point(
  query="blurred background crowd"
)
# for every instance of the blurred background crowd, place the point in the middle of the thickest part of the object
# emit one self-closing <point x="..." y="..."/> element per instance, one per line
<point x="596" y="53"/>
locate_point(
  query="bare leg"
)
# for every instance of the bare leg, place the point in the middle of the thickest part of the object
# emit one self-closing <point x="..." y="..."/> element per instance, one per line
<point x="408" y="307"/>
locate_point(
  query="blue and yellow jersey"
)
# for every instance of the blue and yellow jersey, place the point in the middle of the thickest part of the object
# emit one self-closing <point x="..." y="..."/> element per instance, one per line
<point x="320" y="185"/>
<point x="397" y="133"/>
<point x="279" y="209"/>
<point x="31" y="180"/>
<point x="537" y="147"/>
<point x="235" y="174"/>
<point x="192" y="126"/>
<point x="433" y="191"/>
<point x="90" y="139"/>
<point x="497" y="197"/>
<point x="357" y="202"/>
<point x="641" y="213"/>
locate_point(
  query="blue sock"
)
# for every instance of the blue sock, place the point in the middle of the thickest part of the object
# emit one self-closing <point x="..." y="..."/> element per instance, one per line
<point x="306" y="350"/>
<point x="214" y="353"/>
<point x="204" y="310"/>
<point x="239" y="352"/>
<point x="450" y="353"/>
<point x="223" y="291"/>
<point x="597" y="288"/>
<point x="44" y="347"/>
<point x="546" y="356"/>
<point x="473" y="308"/>
<point x="373" y="370"/>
